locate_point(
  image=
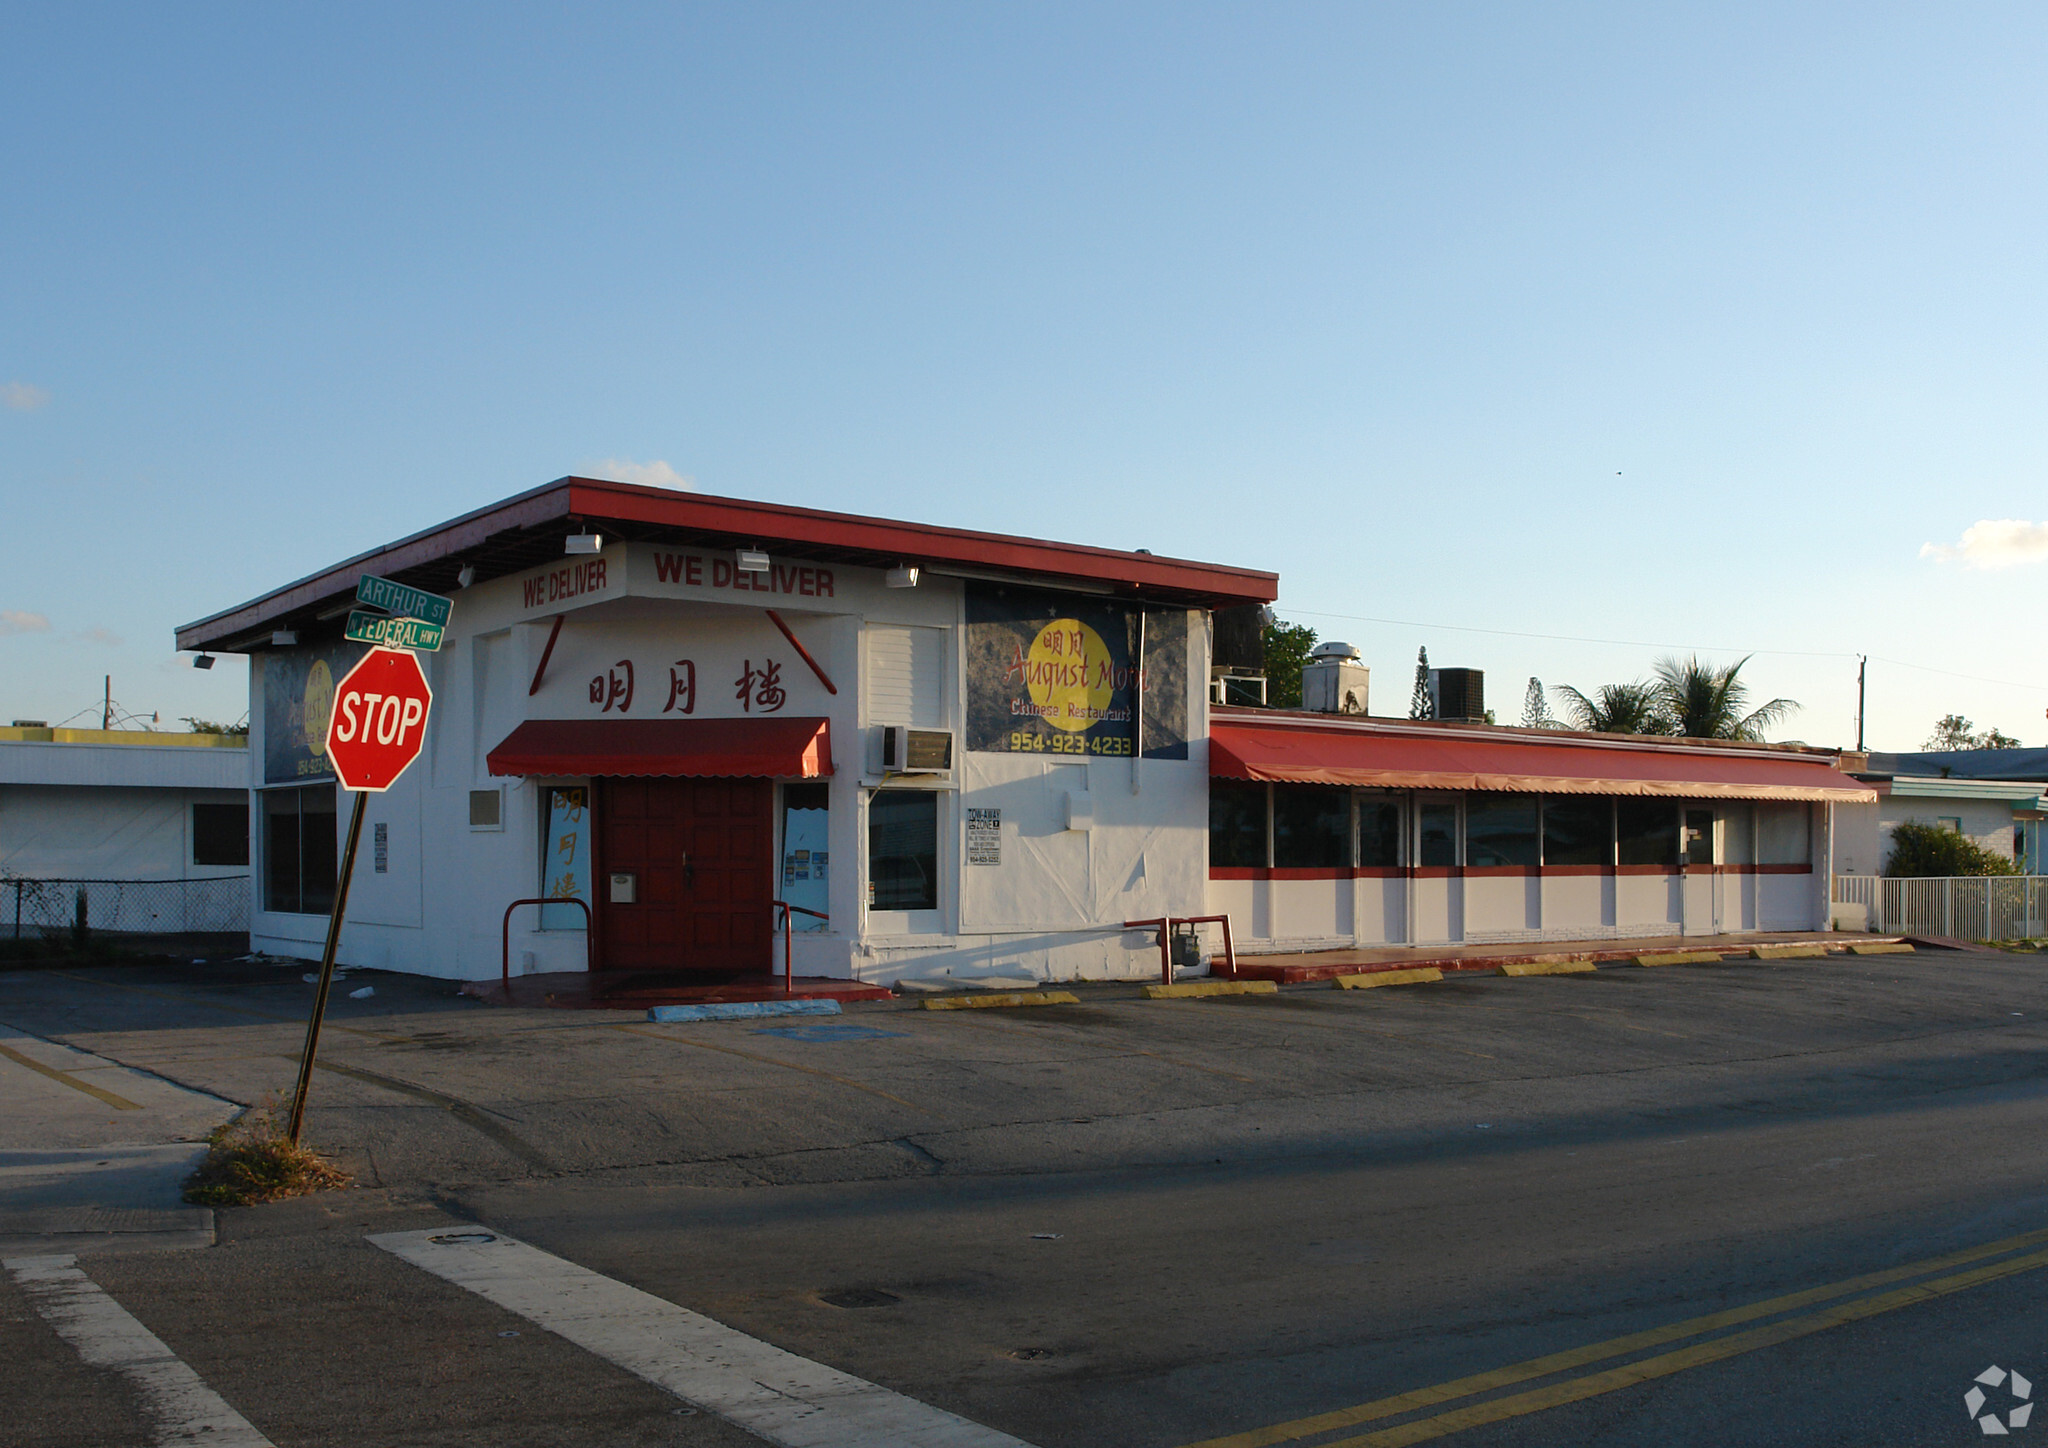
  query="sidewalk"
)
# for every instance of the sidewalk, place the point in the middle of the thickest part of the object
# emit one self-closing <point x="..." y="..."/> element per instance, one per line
<point x="1326" y="964"/>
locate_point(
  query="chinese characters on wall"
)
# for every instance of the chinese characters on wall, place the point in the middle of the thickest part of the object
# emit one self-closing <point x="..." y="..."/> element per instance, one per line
<point x="756" y="690"/>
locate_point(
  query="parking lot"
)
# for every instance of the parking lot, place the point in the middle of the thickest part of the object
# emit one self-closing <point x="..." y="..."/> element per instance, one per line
<point x="1122" y="1221"/>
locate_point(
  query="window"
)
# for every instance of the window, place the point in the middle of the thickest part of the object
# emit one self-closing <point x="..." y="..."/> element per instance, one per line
<point x="1646" y="832"/>
<point x="1783" y="835"/>
<point x="1699" y="837"/>
<point x="806" y="853"/>
<point x="1311" y="826"/>
<point x="1578" y="831"/>
<point x="220" y="833"/>
<point x="1379" y="832"/>
<point x="903" y="850"/>
<point x="300" y="857"/>
<point x="1500" y="830"/>
<point x="487" y="809"/>
<point x="1437" y="824"/>
<point x="1952" y="823"/>
<point x="1237" y="824"/>
<point x="564" y="853"/>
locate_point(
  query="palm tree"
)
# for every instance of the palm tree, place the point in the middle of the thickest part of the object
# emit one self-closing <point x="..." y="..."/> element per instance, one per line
<point x="1698" y="701"/>
<point x="1617" y="709"/>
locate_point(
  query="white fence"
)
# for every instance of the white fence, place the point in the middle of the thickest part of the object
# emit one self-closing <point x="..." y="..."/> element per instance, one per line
<point x="1967" y="907"/>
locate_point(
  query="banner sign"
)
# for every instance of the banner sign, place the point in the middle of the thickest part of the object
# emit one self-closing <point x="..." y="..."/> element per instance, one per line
<point x="298" y="698"/>
<point x="1053" y="674"/>
<point x="393" y="633"/>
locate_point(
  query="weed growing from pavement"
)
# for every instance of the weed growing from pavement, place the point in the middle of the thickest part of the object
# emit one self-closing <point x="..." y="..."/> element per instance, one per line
<point x="250" y="1160"/>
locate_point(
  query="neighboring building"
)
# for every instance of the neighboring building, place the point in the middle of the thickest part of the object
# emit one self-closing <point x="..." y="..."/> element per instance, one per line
<point x="966" y="752"/>
<point x="1993" y="797"/>
<point x="1331" y="832"/>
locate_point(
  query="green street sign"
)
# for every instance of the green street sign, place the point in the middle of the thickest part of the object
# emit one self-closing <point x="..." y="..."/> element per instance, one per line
<point x="399" y="598"/>
<point x="394" y="633"/>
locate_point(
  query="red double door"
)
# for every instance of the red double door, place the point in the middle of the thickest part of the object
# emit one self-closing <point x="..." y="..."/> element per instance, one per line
<point x="700" y="854"/>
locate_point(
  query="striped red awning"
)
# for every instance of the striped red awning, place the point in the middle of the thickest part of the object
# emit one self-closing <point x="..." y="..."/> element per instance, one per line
<point x="1245" y="749"/>
<point x="756" y="748"/>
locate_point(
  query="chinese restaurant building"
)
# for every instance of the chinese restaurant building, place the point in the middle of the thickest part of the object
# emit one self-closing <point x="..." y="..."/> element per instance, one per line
<point x="946" y="752"/>
<point x="1330" y="832"/>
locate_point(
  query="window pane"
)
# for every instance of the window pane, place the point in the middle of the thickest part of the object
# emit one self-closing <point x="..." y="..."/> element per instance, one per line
<point x="220" y="833"/>
<point x="1379" y="833"/>
<point x="281" y="850"/>
<point x="1646" y="831"/>
<point x="903" y="850"/>
<point x="1500" y="829"/>
<point x="1439" y="827"/>
<point x="1237" y="825"/>
<point x="1699" y="837"/>
<point x="1311" y="826"/>
<point x="1781" y="835"/>
<point x="806" y="861"/>
<point x="319" y="851"/>
<point x="1578" y="831"/>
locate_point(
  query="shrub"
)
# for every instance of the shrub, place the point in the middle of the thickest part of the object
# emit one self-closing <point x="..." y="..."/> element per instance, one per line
<point x="1920" y="849"/>
<point x="250" y="1160"/>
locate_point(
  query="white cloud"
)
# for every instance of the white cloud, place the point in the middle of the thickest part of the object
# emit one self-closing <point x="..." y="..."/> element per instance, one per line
<point x="98" y="636"/>
<point x="19" y="621"/>
<point x="1993" y="543"/>
<point x="22" y="396"/>
<point x="656" y="474"/>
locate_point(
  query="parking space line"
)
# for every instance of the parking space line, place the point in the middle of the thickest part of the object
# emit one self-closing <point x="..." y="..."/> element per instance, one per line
<point x="774" y="1394"/>
<point x="182" y="1409"/>
<point x="119" y="1103"/>
<point x="1643" y="1370"/>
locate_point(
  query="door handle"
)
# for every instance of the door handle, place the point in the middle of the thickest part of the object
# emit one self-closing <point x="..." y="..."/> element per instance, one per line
<point x="689" y="874"/>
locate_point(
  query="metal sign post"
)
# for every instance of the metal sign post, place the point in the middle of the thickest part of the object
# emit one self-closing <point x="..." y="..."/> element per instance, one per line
<point x="348" y="870"/>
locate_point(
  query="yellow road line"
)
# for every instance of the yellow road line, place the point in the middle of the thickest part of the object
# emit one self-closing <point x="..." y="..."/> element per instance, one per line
<point x="192" y="1000"/>
<point x="1614" y="1347"/>
<point x="771" y="1061"/>
<point x="119" y="1103"/>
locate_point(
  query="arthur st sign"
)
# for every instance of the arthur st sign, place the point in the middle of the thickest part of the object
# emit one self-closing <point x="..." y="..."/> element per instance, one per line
<point x="379" y="720"/>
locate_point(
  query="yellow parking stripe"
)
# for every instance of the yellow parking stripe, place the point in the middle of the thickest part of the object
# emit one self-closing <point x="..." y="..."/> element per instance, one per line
<point x="119" y="1103"/>
<point x="1591" y="1353"/>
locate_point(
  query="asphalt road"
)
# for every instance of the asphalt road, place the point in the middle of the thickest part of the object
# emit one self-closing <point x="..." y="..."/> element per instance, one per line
<point x="1126" y="1222"/>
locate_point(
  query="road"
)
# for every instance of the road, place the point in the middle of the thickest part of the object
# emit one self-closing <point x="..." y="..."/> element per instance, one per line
<point x="1794" y="1202"/>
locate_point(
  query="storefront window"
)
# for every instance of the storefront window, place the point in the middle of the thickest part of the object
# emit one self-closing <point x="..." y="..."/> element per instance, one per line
<point x="903" y="850"/>
<point x="1437" y="824"/>
<point x="300" y="855"/>
<point x="1311" y="827"/>
<point x="806" y="854"/>
<point x="220" y="833"/>
<point x="565" y="855"/>
<point x="1578" y="831"/>
<point x="1500" y="830"/>
<point x="1646" y="832"/>
<point x="1783" y="835"/>
<point x="1237" y="825"/>
<point x="1379" y="832"/>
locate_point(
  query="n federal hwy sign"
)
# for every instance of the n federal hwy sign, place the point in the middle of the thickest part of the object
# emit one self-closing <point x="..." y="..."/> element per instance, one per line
<point x="379" y="719"/>
<point x="399" y="598"/>
<point x="394" y="633"/>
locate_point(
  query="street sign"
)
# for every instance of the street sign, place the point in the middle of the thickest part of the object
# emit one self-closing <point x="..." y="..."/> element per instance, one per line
<point x="379" y="719"/>
<point x="393" y="633"/>
<point x="400" y="598"/>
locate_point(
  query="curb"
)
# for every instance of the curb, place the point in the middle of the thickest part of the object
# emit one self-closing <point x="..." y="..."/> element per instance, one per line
<point x="1900" y="949"/>
<point x="1548" y="967"/>
<point x="1427" y="975"/>
<point x="1681" y="957"/>
<point x="1186" y="990"/>
<point x="1787" y="952"/>
<point x="1005" y="998"/>
<point x="743" y="1010"/>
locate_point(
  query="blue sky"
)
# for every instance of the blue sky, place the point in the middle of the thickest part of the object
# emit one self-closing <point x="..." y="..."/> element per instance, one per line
<point x="1499" y="330"/>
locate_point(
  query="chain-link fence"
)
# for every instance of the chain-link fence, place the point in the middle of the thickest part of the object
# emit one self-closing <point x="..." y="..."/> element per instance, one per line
<point x="32" y="908"/>
<point x="1969" y="907"/>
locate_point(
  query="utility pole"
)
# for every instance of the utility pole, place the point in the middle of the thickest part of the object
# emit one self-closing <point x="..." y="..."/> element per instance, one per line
<point x="107" y="710"/>
<point x="1862" y="667"/>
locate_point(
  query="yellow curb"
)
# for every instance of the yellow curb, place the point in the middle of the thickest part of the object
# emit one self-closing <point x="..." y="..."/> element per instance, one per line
<point x="1788" y="952"/>
<point x="1681" y="957"/>
<point x="1367" y="981"/>
<point x="1008" y="998"/>
<point x="1185" y="989"/>
<point x="1900" y="948"/>
<point x="1547" y="967"/>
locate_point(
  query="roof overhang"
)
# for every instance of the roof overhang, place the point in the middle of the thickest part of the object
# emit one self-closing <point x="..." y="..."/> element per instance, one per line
<point x="2023" y="794"/>
<point x="1389" y="755"/>
<point x="525" y="531"/>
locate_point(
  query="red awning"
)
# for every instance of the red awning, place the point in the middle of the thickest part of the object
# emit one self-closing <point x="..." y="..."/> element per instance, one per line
<point x="1242" y="749"/>
<point x="761" y="748"/>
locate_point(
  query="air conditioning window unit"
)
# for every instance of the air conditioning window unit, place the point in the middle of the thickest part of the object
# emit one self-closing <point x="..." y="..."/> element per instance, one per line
<point x="916" y="751"/>
<point x="1242" y="689"/>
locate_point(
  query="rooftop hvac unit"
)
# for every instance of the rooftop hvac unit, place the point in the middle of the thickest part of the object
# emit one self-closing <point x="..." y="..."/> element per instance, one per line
<point x="1334" y="682"/>
<point x="1458" y="694"/>
<point x="915" y="751"/>
<point x="1243" y="689"/>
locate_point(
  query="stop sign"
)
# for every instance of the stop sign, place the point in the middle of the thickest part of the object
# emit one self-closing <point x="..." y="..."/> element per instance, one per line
<point x="379" y="719"/>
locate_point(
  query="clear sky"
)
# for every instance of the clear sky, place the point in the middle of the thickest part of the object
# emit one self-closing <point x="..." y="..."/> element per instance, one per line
<point x="1499" y="330"/>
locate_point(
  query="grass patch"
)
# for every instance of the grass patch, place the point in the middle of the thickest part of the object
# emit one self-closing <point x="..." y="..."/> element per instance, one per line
<point x="250" y="1160"/>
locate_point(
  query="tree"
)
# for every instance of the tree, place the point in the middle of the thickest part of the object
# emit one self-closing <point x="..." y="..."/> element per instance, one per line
<point x="210" y="726"/>
<point x="1953" y="732"/>
<point x="1695" y="700"/>
<point x="1629" y="708"/>
<point x="1536" y="707"/>
<point x="1286" y="652"/>
<point x="1420" y="706"/>
<point x="1920" y="849"/>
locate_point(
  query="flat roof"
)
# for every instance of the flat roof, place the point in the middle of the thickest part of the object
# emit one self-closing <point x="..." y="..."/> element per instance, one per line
<point x="527" y="530"/>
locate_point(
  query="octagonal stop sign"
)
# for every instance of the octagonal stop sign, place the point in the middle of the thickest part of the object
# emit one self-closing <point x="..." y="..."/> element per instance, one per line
<point x="379" y="719"/>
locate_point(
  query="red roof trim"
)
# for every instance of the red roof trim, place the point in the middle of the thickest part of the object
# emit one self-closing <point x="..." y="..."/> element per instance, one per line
<point x="793" y="748"/>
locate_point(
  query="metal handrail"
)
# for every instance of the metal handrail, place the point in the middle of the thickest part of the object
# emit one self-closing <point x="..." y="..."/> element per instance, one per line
<point x="589" y="941"/>
<point x="1164" y="925"/>
<point x="788" y="934"/>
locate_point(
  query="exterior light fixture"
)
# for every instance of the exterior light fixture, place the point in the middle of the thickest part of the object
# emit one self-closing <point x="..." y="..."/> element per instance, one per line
<point x="284" y="638"/>
<point x="583" y="543"/>
<point x="467" y="576"/>
<point x="904" y="577"/>
<point x="204" y="661"/>
<point x="750" y="560"/>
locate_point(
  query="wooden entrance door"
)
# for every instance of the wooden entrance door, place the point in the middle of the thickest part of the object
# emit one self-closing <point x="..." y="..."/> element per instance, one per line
<point x="700" y="854"/>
